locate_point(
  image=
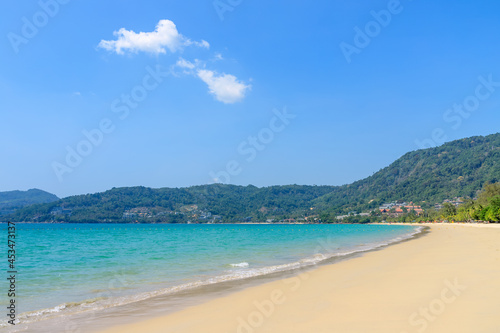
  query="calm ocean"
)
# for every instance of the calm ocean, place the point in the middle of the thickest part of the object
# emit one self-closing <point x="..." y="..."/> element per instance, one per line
<point x="65" y="269"/>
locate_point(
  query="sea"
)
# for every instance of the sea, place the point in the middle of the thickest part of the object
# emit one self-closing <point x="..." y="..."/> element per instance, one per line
<point x="68" y="273"/>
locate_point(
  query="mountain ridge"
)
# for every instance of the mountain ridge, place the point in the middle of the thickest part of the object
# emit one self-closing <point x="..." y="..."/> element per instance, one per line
<point x="455" y="169"/>
<point x="13" y="200"/>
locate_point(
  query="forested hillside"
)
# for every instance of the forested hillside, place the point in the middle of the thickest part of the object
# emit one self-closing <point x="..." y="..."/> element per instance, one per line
<point x="455" y="169"/>
<point x="13" y="200"/>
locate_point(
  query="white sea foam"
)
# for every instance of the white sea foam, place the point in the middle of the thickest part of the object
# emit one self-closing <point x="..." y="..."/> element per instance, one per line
<point x="241" y="264"/>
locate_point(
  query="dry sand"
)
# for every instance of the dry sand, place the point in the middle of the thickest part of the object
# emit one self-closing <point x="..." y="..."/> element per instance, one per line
<point x="446" y="281"/>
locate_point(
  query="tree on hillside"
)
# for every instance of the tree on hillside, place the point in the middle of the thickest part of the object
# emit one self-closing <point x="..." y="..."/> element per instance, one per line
<point x="492" y="211"/>
<point x="466" y="211"/>
<point x="489" y="191"/>
<point x="448" y="210"/>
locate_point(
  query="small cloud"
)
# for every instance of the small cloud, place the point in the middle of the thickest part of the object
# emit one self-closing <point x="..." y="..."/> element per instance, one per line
<point x="77" y="93"/>
<point x="183" y="63"/>
<point x="164" y="37"/>
<point x="186" y="67"/>
<point x="203" y="44"/>
<point x="225" y="87"/>
<point x="218" y="56"/>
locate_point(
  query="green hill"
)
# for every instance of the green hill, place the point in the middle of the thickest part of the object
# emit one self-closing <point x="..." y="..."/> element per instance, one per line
<point x="229" y="202"/>
<point x="455" y="169"/>
<point x="13" y="200"/>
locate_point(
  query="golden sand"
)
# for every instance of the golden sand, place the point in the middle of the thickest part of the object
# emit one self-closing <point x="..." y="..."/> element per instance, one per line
<point x="446" y="281"/>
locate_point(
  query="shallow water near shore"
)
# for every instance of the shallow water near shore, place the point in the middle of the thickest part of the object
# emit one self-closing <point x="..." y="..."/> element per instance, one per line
<point x="89" y="271"/>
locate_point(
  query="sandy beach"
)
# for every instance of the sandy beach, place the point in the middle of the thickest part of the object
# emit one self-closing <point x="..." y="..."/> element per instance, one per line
<point x="445" y="281"/>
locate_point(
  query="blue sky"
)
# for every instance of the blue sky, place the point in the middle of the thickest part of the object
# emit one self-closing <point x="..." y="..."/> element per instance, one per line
<point x="253" y="92"/>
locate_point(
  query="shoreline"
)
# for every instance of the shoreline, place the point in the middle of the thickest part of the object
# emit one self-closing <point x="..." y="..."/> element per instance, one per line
<point x="163" y="303"/>
<point x="380" y="290"/>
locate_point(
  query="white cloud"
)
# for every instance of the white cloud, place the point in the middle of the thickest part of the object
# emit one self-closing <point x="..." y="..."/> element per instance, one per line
<point x="164" y="37"/>
<point x="225" y="87"/>
<point x="183" y="63"/>
<point x="203" y="43"/>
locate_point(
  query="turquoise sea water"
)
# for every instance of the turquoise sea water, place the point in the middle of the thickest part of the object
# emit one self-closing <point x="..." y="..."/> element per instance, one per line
<point x="72" y="268"/>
